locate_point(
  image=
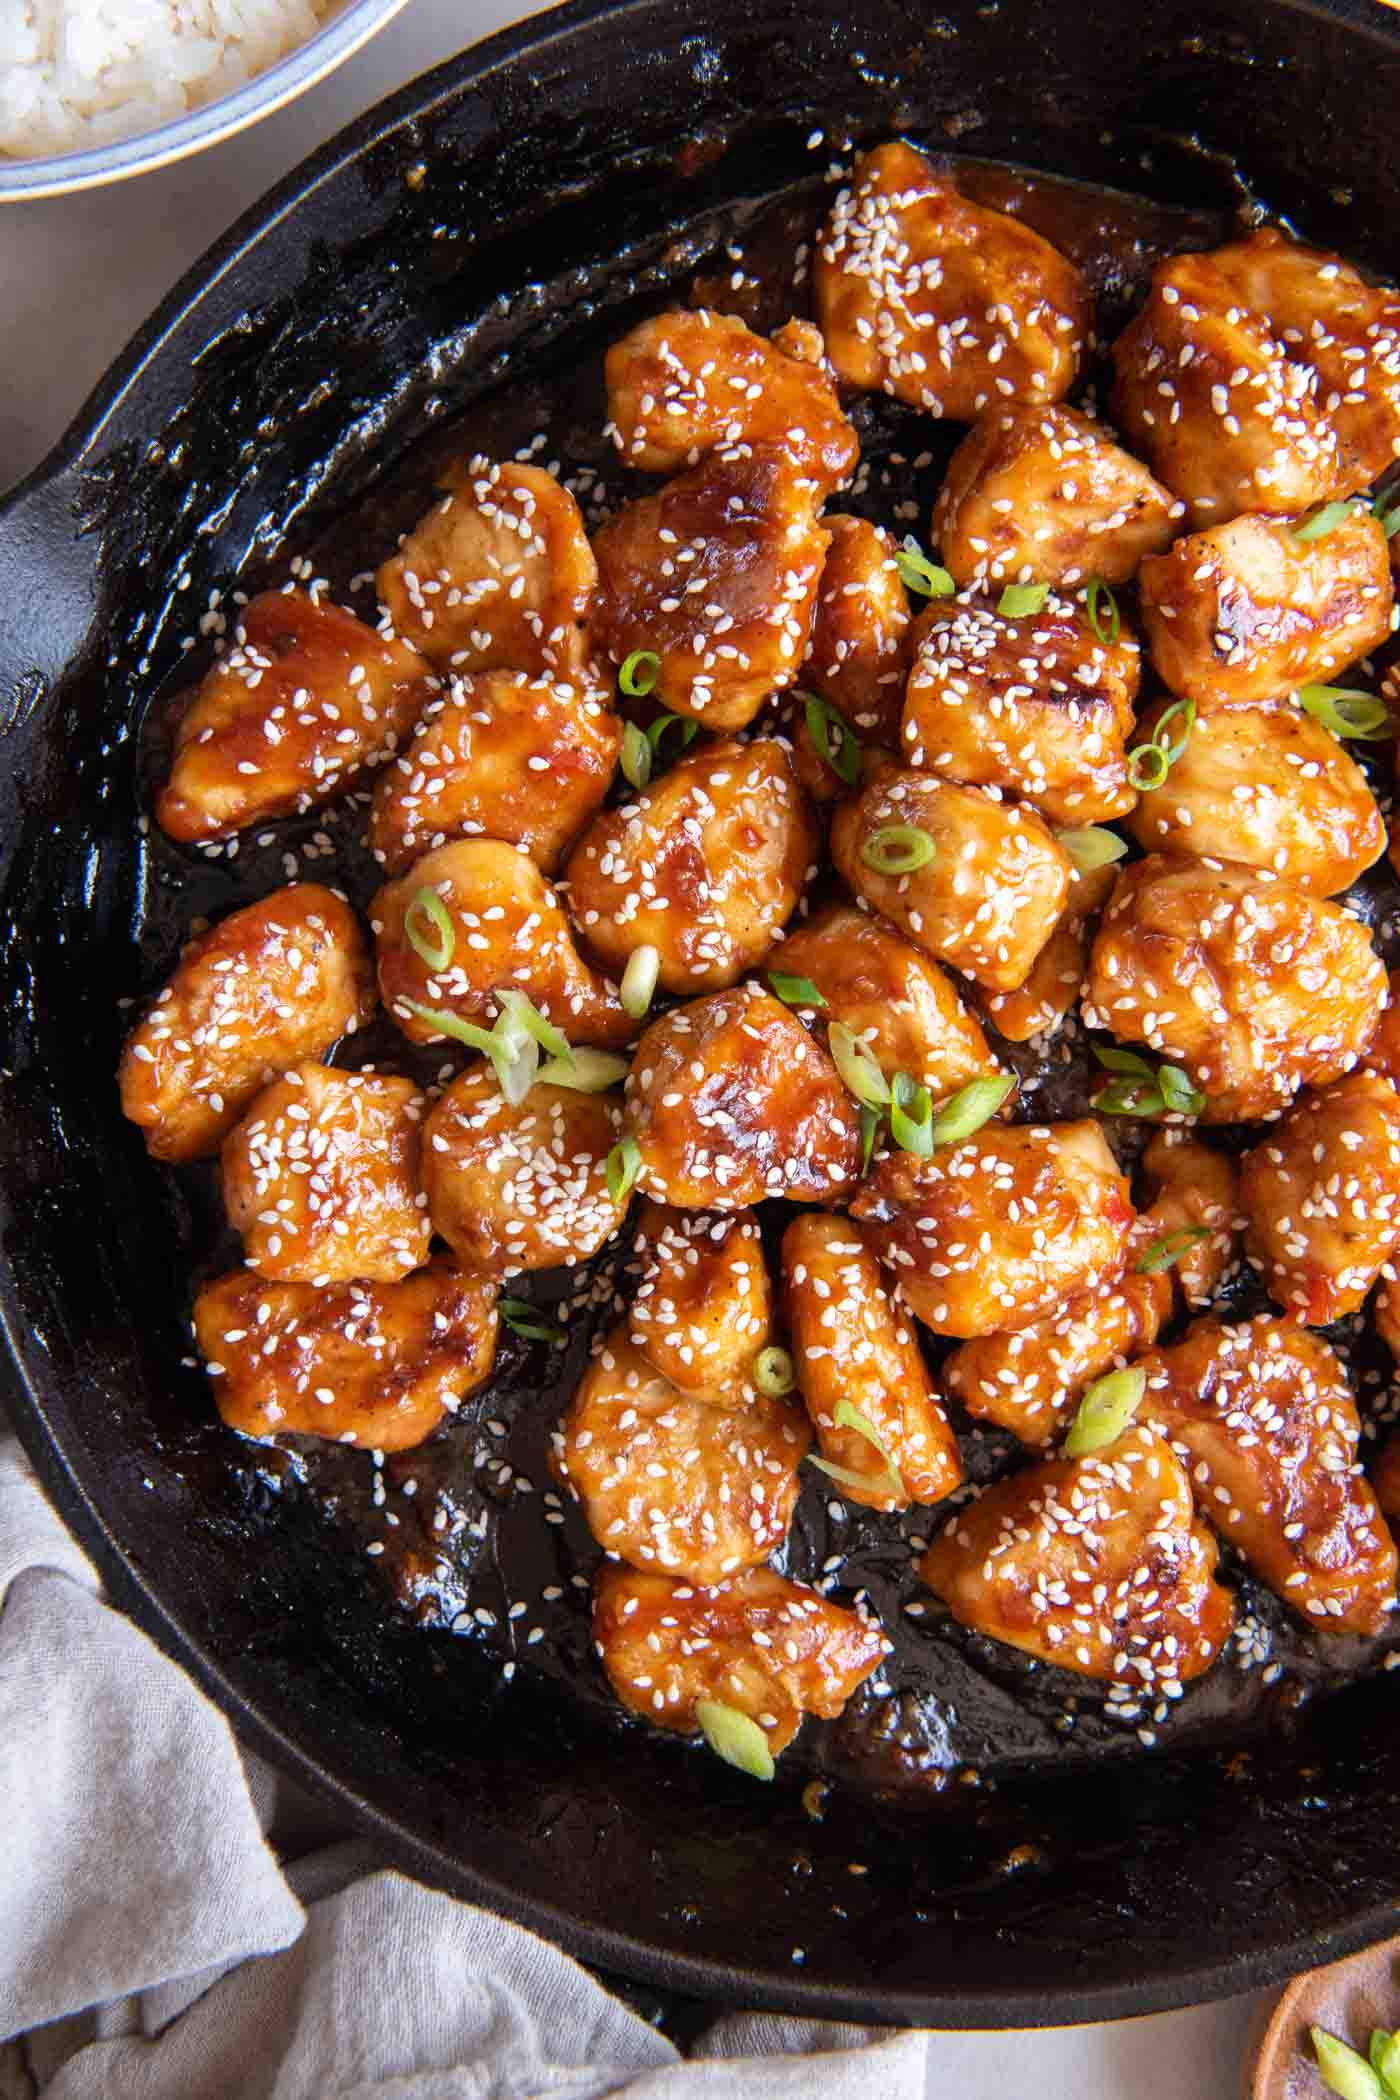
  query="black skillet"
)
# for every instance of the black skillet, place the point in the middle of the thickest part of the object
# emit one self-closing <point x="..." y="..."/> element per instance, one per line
<point x="470" y="222"/>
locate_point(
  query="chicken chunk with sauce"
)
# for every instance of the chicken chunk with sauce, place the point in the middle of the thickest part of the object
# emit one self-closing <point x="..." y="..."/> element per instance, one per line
<point x="1192" y="1190"/>
<point x="859" y="651"/>
<point x="701" y="1308"/>
<point x="1322" y="1194"/>
<point x="1059" y="971"/>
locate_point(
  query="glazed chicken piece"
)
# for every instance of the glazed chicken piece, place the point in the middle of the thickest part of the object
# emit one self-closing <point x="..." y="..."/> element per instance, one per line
<point x="1322" y="1193"/>
<point x="1246" y="610"/>
<point x="685" y="382"/>
<point x="717" y="575"/>
<point x="729" y="1100"/>
<point x="706" y="865"/>
<point x="1263" y="376"/>
<point x="1044" y="495"/>
<point x="701" y="1308"/>
<point x="852" y="1342"/>
<point x="939" y="301"/>
<point x="1192" y="1188"/>
<point x="499" y="756"/>
<point x="498" y="576"/>
<point x="1057" y="975"/>
<point x="1264" y="1418"/>
<point x="523" y="1186"/>
<point x="1383" y="1050"/>
<point x="990" y="896"/>
<point x="1268" y="787"/>
<point x="373" y="1364"/>
<point x="902" y="1006"/>
<point x="1034" y="704"/>
<point x="994" y="1231"/>
<point x="859" y="649"/>
<point x="1254" y="986"/>
<point x="305" y="701"/>
<point x="508" y="932"/>
<point x="668" y="1481"/>
<point x="321" y="1178"/>
<point x="1097" y="1564"/>
<point x="279" y="981"/>
<point x="762" y="1645"/>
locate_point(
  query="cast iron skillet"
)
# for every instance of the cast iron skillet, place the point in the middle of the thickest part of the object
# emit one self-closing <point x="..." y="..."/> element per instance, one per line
<point x="386" y="281"/>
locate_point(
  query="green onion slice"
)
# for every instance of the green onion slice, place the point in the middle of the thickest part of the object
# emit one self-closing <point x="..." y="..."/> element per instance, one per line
<point x="1388" y="513"/>
<point x="524" y="1319"/>
<point x="841" y="750"/>
<point x="638" y="987"/>
<point x="1148" y="767"/>
<point x="870" y="1120"/>
<point x="917" y="573"/>
<point x="735" y="1738"/>
<point x="911" y="1115"/>
<point x="689" y="729"/>
<point x="774" y="1372"/>
<point x="1178" y="1093"/>
<point x="639" y="673"/>
<point x="1385" y="2060"/>
<point x="795" y="991"/>
<point x="624" y="1165"/>
<point x="1187" y="710"/>
<point x="1105" y="1412"/>
<point x="1018" y="599"/>
<point x="1343" y="2071"/>
<point x="1114" y="1060"/>
<point x="587" y="1072"/>
<point x="1319" y="523"/>
<point x="636" y="756"/>
<point x="437" y="943"/>
<point x="1092" y="847"/>
<point x="453" y="1025"/>
<point x="971" y="1107"/>
<point x="1346" y="711"/>
<point x="517" y="1062"/>
<point x="849" y="1416"/>
<point x="856" y="1063"/>
<point x="1129" y="1097"/>
<point x="897" y="849"/>
<point x="1165" y="1252"/>
<point x="520" y="1017"/>
<point x="1100" y="593"/>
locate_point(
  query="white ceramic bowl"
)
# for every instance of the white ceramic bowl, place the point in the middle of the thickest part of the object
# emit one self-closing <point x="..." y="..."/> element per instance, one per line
<point x="352" y="25"/>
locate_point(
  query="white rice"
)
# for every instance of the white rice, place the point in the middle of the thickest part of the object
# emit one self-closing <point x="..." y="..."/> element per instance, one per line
<point x="80" y="73"/>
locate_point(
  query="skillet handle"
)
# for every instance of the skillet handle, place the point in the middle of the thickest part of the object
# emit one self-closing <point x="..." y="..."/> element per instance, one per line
<point x="49" y="571"/>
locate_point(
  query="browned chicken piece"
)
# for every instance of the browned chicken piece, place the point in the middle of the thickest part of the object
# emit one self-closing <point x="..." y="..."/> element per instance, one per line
<point x="509" y="932"/>
<point x="498" y="576"/>
<point x="499" y="756"/>
<point x="1253" y="985"/>
<point x="902" y="1006"/>
<point x="942" y="302"/>
<point x="701" y="1308"/>
<point x="373" y="1364"/>
<point x="990" y="896"/>
<point x="1383" y="1050"/>
<point x="1261" y="377"/>
<point x="859" y="650"/>
<point x="279" y="981"/>
<point x="668" y="1481"/>
<point x="706" y="865"/>
<point x="717" y="574"/>
<point x="1268" y="787"/>
<point x="852" y="1342"/>
<point x="290" y="717"/>
<point x="729" y="1100"/>
<point x="1097" y="1564"/>
<point x="1057" y="975"/>
<point x="1034" y="704"/>
<point x="523" y="1186"/>
<point x="1246" y="610"/>
<point x="994" y="1231"/>
<point x="1322" y="1194"/>
<point x="1385" y="1476"/>
<point x="321" y="1178"/>
<point x="764" y="1646"/>
<point x="1264" y="1418"/>
<point x="687" y="381"/>
<point x="1044" y="495"/>
<point x="1192" y="1189"/>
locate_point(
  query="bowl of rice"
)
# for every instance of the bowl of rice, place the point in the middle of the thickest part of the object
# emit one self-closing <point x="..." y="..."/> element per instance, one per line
<point x="92" y="91"/>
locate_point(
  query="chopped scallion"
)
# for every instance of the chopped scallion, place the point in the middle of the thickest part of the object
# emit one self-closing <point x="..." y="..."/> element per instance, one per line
<point x="774" y="1372"/>
<point x="1092" y="847"/>
<point x="856" y="1063"/>
<point x="638" y="987"/>
<point x="1345" y="2073"/>
<point x="1105" y="1412"/>
<point x="624" y="1165"/>
<point x="587" y="1072"/>
<point x="520" y="1017"/>
<point x="971" y="1107"/>
<point x="1346" y="711"/>
<point x="849" y="1416"/>
<point x="1141" y="1090"/>
<point x="1018" y="599"/>
<point x="688" y="726"/>
<point x="1187" y="710"/>
<point x="1148" y="767"/>
<point x="1385" y="2060"/>
<point x="1100" y="593"/>
<point x="870" y="1120"/>
<point x="1319" y="523"/>
<point x="833" y="736"/>
<point x="636" y="756"/>
<point x="524" y="1319"/>
<point x="1388" y="513"/>
<point x="917" y="573"/>
<point x="735" y="1738"/>
<point x="450" y="1024"/>
<point x="897" y="849"/>
<point x="911" y="1115"/>
<point x="1165" y="1252"/>
<point x="795" y="991"/>
<point x="437" y="942"/>
<point x="639" y="673"/>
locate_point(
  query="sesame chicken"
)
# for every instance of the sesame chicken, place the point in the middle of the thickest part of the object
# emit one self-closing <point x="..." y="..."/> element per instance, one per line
<point x="289" y="718"/>
<point x="730" y="1100"/>
<point x="853" y="1342"/>
<point x="1253" y="985"/>
<point x="321" y="1178"/>
<point x="1322" y="1193"/>
<point x="1246" y="610"/>
<point x="706" y="865"/>
<point x="502" y="756"/>
<point x="1264" y="1420"/>
<point x="686" y="382"/>
<point x="990" y="896"/>
<point x="859" y="651"/>
<point x="994" y="1231"/>
<point x="1045" y="495"/>
<point x="372" y="1364"/>
<point x="702" y="1308"/>
<point x="1268" y="787"/>
<point x="1058" y="973"/>
<point x="279" y="981"/>
<point x="524" y="1186"/>
<point x="1035" y="704"/>
<point x="1192" y="1189"/>
<point x="498" y="576"/>
<point x="668" y="1481"/>
<point x="941" y="302"/>
<point x="717" y="575"/>
<point x="1097" y="1564"/>
<point x="761" y="1645"/>
<point x="509" y="932"/>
